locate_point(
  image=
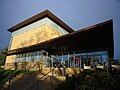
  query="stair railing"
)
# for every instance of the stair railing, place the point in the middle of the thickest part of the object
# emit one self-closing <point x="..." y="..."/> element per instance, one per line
<point x="9" y="78"/>
<point x="28" y="74"/>
<point x="36" y="82"/>
<point x="28" y="69"/>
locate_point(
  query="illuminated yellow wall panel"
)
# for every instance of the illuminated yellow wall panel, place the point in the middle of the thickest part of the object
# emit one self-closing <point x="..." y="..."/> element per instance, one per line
<point x="34" y="36"/>
<point x="37" y="32"/>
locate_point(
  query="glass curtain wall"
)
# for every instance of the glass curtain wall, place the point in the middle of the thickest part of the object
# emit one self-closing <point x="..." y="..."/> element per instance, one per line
<point x="70" y="60"/>
<point x="80" y="59"/>
<point x="31" y="56"/>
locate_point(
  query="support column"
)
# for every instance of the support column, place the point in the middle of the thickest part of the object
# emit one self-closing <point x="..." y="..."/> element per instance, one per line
<point x="62" y="57"/>
<point x="68" y="60"/>
<point x="52" y="60"/>
<point x="74" y="60"/>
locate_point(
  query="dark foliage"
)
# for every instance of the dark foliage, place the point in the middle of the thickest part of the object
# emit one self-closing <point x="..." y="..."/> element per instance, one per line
<point x="92" y="79"/>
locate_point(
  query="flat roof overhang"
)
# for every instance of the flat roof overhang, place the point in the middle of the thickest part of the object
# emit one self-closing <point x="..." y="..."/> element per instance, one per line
<point x="40" y="16"/>
<point x="97" y="37"/>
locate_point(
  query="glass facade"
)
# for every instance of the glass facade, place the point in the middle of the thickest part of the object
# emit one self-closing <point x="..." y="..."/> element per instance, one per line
<point x="73" y="60"/>
<point x="32" y="56"/>
<point x="82" y="59"/>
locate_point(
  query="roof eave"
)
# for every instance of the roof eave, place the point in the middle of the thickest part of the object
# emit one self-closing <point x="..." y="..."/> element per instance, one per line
<point x="40" y="16"/>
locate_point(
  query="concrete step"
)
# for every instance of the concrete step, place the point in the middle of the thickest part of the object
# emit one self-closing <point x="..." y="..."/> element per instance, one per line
<point x="24" y="81"/>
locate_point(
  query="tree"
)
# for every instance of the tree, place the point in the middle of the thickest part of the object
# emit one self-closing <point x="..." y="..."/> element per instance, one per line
<point x="3" y="53"/>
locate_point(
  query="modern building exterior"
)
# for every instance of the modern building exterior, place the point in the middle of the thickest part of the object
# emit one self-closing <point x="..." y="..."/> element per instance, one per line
<point x="44" y="37"/>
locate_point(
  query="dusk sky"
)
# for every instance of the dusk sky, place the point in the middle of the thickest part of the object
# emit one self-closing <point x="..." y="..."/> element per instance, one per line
<point x="77" y="14"/>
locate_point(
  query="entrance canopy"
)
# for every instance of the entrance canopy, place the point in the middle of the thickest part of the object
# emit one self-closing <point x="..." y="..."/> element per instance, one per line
<point x="98" y="37"/>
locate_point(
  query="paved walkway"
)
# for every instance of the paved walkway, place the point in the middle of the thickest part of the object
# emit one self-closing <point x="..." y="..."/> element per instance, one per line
<point x="43" y="84"/>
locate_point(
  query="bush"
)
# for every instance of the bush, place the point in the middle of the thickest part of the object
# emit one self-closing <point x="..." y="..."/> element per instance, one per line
<point x="89" y="79"/>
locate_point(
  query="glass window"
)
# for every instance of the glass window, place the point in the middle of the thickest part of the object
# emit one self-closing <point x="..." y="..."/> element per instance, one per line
<point x="29" y="54"/>
<point x="35" y="53"/>
<point x="39" y="53"/>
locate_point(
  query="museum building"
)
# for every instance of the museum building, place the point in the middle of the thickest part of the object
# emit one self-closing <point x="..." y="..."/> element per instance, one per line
<point x="44" y="37"/>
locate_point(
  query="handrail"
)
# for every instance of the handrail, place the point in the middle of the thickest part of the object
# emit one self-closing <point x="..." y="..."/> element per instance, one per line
<point x="21" y="72"/>
<point x="9" y="75"/>
<point x="63" y="67"/>
<point x="36" y="81"/>
<point x="12" y="74"/>
<point x="34" y="65"/>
